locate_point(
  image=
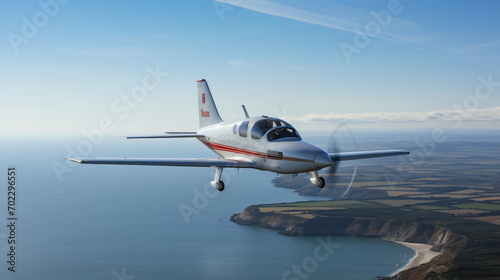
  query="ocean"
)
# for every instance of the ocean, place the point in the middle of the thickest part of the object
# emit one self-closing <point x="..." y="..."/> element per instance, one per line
<point x="132" y="222"/>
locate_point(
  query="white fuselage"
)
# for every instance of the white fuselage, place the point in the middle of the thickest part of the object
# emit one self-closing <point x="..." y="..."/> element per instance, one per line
<point x="282" y="152"/>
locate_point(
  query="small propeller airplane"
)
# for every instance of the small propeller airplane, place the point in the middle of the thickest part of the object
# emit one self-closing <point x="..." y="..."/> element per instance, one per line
<point x="263" y="143"/>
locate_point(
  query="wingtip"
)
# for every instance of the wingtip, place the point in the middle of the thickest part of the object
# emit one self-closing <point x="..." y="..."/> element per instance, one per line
<point x="75" y="160"/>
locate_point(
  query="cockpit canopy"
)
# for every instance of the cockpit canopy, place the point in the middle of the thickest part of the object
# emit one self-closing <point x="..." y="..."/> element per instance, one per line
<point x="282" y="132"/>
<point x="262" y="126"/>
<point x="280" y="129"/>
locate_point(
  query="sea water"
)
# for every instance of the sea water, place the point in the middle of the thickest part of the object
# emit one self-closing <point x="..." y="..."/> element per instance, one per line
<point x="140" y="222"/>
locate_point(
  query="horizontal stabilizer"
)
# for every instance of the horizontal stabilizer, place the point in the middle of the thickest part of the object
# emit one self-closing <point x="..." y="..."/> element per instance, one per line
<point x="167" y="135"/>
<point x="366" y="154"/>
<point x="194" y="162"/>
<point x="180" y="132"/>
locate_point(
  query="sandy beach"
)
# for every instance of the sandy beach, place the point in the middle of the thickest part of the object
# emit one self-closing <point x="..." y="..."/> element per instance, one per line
<point x="424" y="254"/>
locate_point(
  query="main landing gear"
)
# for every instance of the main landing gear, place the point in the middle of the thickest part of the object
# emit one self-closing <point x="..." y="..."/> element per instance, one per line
<point x="317" y="181"/>
<point x="217" y="183"/>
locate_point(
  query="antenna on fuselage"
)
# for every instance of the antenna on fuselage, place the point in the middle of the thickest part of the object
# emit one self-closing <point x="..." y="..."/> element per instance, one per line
<point x="245" y="110"/>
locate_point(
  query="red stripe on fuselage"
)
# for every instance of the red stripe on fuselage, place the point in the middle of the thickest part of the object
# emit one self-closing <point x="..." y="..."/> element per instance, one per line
<point x="236" y="150"/>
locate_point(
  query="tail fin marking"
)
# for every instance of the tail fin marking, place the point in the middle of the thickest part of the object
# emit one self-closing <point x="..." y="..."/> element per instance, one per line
<point x="208" y="111"/>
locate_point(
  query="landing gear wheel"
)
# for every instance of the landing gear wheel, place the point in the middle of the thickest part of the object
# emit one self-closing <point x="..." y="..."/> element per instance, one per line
<point x="221" y="188"/>
<point x="321" y="182"/>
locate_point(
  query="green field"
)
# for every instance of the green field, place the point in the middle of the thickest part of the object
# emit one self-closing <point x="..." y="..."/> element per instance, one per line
<point x="430" y="207"/>
<point x="479" y="206"/>
<point x="331" y="203"/>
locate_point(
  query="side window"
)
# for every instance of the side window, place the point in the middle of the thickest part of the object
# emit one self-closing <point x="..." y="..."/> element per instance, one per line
<point x="234" y="128"/>
<point x="244" y="129"/>
<point x="260" y="128"/>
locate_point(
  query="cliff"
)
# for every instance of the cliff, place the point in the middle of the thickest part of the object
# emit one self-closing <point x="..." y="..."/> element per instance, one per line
<point x="292" y="225"/>
<point x="466" y="253"/>
<point x="253" y="217"/>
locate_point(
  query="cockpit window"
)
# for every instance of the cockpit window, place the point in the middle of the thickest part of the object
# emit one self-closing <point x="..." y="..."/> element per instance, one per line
<point x="282" y="132"/>
<point x="244" y="129"/>
<point x="261" y="127"/>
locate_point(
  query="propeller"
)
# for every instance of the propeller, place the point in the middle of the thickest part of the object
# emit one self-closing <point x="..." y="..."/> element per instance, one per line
<point x="333" y="147"/>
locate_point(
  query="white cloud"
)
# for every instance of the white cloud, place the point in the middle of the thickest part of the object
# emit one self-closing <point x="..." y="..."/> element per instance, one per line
<point x="478" y="115"/>
<point x="339" y="17"/>
<point x="478" y="46"/>
<point x="335" y="16"/>
<point x="335" y="21"/>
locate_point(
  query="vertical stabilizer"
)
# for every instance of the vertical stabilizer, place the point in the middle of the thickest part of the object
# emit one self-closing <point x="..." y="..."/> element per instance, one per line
<point x="207" y="110"/>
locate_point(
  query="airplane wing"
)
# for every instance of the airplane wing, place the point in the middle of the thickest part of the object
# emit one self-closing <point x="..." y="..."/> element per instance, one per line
<point x="195" y="162"/>
<point x="167" y="135"/>
<point x="366" y="154"/>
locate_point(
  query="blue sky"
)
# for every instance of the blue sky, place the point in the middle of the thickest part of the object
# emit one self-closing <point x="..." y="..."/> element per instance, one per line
<point x="281" y="58"/>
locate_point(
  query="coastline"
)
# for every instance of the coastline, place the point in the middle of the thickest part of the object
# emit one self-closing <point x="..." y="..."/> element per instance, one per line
<point x="450" y="235"/>
<point x="423" y="254"/>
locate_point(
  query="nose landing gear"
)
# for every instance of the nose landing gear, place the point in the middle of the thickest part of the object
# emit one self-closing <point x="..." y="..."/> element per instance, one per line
<point x="317" y="181"/>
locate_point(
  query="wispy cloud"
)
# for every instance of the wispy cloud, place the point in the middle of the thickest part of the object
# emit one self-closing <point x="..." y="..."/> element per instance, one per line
<point x="478" y="115"/>
<point x="479" y="46"/>
<point x="339" y="17"/>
